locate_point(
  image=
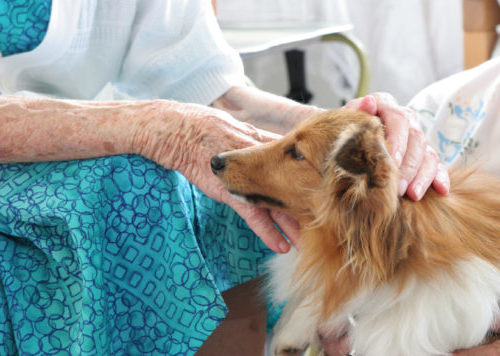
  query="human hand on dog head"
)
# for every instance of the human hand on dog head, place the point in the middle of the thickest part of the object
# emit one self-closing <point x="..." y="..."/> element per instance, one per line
<point x="418" y="163"/>
<point x="184" y="137"/>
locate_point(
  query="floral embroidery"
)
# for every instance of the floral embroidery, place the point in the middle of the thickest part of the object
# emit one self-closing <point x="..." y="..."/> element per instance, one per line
<point x="455" y="137"/>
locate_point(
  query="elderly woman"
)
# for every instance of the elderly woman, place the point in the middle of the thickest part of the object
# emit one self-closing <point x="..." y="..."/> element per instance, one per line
<point x="115" y="237"/>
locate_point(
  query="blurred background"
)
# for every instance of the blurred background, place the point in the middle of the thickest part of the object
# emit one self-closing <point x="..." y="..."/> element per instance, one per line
<point x="408" y="44"/>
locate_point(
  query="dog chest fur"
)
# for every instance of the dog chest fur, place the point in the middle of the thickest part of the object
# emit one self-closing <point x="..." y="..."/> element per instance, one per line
<point x="425" y="318"/>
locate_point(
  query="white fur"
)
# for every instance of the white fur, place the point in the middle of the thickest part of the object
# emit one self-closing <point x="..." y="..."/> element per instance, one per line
<point x="297" y="326"/>
<point x="429" y="317"/>
<point x="281" y="267"/>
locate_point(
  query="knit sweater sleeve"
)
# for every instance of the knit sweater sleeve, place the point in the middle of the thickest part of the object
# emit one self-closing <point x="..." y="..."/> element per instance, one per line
<point x="177" y="52"/>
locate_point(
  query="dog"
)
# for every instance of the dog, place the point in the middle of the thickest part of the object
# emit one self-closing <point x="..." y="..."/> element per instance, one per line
<point x="398" y="277"/>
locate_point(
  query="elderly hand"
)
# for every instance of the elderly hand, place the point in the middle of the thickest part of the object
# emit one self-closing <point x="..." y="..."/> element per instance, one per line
<point x="418" y="163"/>
<point x="187" y="143"/>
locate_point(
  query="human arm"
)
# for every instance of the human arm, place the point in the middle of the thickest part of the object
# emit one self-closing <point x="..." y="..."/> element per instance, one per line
<point x="40" y="129"/>
<point x="178" y="136"/>
<point x="262" y="109"/>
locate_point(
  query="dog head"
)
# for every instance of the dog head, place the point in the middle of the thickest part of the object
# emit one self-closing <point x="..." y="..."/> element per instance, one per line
<point x="334" y="160"/>
<point x="334" y="175"/>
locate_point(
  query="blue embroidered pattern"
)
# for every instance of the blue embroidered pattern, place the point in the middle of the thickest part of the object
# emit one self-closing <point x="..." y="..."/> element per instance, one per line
<point x="23" y="24"/>
<point x="114" y="256"/>
<point x="466" y="120"/>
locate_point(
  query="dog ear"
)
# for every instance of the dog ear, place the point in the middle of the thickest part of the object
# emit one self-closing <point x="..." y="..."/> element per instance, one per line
<point x="360" y="154"/>
<point x="359" y="171"/>
<point x="359" y="200"/>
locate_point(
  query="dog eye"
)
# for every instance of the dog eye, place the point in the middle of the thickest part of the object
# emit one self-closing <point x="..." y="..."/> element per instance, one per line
<point x="292" y="151"/>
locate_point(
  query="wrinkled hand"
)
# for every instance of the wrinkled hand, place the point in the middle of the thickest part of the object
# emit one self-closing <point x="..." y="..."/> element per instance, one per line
<point x="188" y="142"/>
<point x="418" y="163"/>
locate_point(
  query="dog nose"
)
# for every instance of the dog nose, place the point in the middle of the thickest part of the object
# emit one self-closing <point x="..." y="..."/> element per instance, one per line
<point x="217" y="163"/>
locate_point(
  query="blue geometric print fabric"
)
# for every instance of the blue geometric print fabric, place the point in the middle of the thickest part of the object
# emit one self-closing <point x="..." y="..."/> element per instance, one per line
<point x="23" y="24"/>
<point x="114" y="256"/>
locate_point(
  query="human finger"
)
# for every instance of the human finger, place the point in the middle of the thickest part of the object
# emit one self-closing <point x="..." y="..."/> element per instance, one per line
<point x="385" y="99"/>
<point x="397" y="120"/>
<point x="386" y="103"/>
<point x="397" y="128"/>
<point x="415" y="153"/>
<point x="288" y="225"/>
<point x="267" y="136"/>
<point x="393" y="116"/>
<point x="425" y="176"/>
<point x="441" y="182"/>
<point x="367" y="104"/>
<point x="244" y="129"/>
<point x="259" y="220"/>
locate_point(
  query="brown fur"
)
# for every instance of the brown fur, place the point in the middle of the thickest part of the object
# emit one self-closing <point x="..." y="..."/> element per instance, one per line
<point x="355" y="230"/>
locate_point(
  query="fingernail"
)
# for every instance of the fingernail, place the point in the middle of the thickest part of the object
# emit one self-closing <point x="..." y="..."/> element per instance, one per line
<point x="403" y="185"/>
<point x="417" y="188"/>
<point x="371" y="99"/>
<point x="441" y="176"/>
<point x="443" y="179"/>
<point x="398" y="157"/>
<point x="284" y="247"/>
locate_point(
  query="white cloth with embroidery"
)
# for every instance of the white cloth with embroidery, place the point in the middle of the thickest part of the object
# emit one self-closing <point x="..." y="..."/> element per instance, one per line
<point x="461" y="117"/>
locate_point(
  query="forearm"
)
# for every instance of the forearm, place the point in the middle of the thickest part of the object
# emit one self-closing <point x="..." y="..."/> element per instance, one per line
<point x="264" y="110"/>
<point x="49" y="130"/>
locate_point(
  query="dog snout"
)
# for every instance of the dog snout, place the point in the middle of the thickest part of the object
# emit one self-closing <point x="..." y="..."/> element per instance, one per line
<point x="218" y="164"/>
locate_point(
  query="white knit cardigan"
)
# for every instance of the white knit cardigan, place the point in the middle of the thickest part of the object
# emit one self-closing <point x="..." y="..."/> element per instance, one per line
<point x="145" y="49"/>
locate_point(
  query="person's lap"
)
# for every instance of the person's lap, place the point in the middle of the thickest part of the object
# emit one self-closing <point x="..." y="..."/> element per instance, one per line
<point x="114" y="254"/>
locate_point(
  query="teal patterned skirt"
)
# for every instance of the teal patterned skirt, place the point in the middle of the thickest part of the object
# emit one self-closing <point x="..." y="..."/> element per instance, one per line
<point x="23" y="24"/>
<point x="114" y="256"/>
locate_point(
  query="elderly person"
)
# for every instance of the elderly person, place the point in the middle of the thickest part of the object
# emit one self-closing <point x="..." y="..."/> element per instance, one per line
<point x="115" y="237"/>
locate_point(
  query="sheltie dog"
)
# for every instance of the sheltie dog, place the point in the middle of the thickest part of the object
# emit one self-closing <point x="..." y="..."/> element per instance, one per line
<point x="399" y="277"/>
